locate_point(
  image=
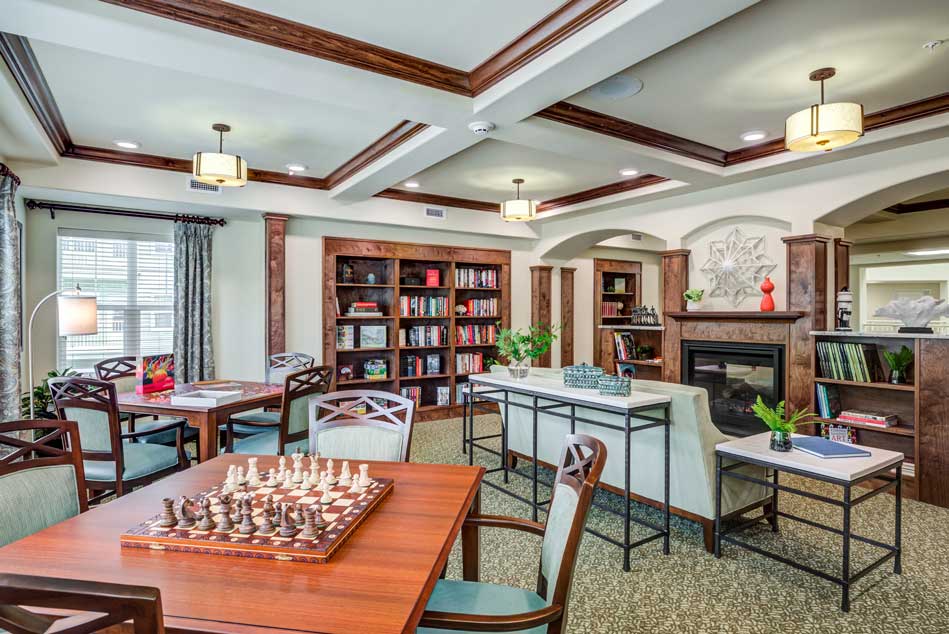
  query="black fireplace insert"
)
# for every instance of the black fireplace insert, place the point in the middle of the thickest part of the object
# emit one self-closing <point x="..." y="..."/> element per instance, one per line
<point x="735" y="374"/>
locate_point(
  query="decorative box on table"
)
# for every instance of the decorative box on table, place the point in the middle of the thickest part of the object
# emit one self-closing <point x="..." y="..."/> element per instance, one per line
<point x="611" y="385"/>
<point x="582" y="376"/>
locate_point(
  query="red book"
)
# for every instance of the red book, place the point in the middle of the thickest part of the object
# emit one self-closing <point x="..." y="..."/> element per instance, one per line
<point x="365" y="304"/>
<point x="432" y="277"/>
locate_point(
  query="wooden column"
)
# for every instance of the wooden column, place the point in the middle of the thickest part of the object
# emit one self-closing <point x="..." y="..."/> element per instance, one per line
<point x="540" y="303"/>
<point x="841" y="272"/>
<point x="932" y="421"/>
<point x="806" y="292"/>
<point x="275" y="255"/>
<point x="675" y="281"/>
<point x="566" y="316"/>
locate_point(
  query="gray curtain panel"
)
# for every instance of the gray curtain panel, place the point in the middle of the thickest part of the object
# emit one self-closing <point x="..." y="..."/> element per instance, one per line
<point x="194" y="359"/>
<point x="10" y="309"/>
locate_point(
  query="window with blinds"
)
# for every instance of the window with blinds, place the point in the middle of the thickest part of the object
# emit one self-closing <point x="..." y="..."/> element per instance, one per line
<point x="132" y="276"/>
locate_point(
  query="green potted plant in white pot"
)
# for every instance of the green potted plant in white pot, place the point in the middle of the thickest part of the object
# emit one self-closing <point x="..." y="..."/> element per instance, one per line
<point x="693" y="298"/>
<point x="520" y="348"/>
<point x="781" y="427"/>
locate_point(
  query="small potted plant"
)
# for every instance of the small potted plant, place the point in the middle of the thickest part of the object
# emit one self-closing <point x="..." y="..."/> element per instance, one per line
<point x="644" y="352"/>
<point x="519" y="348"/>
<point x="693" y="298"/>
<point x="899" y="362"/>
<point x="781" y="427"/>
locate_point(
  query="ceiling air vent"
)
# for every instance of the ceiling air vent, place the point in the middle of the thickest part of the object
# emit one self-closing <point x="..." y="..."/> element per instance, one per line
<point x="202" y="188"/>
<point x="437" y="213"/>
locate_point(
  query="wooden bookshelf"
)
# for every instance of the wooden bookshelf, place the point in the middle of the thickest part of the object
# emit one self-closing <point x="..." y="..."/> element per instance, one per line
<point x="608" y="359"/>
<point x="607" y="275"/>
<point x="391" y="263"/>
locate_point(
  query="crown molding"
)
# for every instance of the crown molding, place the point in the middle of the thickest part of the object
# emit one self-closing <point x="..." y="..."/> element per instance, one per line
<point x="610" y="189"/>
<point x="438" y="199"/>
<point x="392" y="139"/>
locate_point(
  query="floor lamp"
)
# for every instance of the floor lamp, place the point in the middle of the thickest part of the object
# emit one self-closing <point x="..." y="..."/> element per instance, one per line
<point x="78" y="315"/>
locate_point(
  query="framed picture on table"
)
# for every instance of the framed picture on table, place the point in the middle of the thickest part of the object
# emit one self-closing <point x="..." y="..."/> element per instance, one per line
<point x="626" y="369"/>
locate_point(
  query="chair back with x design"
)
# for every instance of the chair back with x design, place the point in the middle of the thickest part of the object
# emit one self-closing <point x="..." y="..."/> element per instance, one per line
<point x="93" y="404"/>
<point x="298" y="387"/>
<point x="41" y="476"/>
<point x="280" y="364"/>
<point x="119" y="370"/>
<point x="362" y="425"/>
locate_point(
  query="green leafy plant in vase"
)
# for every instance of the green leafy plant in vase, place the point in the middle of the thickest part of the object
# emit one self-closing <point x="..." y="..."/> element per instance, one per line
<point x="899" y="362"/>
<point x="693" y="298"/>
<point x="42" y="398"/>
<point x="519" y="348"/>
<point x="781" y="426"/>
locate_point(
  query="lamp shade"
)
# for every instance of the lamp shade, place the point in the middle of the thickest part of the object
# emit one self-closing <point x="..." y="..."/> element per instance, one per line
<point x="213" y="168"/>
<point x="518" y="209"/>
<point x="77" y="315"/>
<point x="823" y="127"/>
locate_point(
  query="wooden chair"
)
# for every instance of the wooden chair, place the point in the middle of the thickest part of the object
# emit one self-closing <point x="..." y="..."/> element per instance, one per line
<point x="111" y="464"/>
<point x="121" y="372"/>
<point x="288" y="432"/>
<point x="361" y="425"/>
<point x="100" y="606"/>
<point x="279" y="365"/>
<point x="481" y="607"/>
<point x="291" y="361"/>
<point x="41" y="479"/>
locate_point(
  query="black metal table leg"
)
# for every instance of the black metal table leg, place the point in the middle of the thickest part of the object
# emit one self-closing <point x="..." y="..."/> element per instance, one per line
<point x="626" y="486"/>
<point x="898" y="541"/>
<point x="471" y="434"/>
<point x="505" y="425"/>
<point x="845" y="565"/>
<point x="534" y="466"/>
<point x="665" y="503"/>
<point x="464" y="422"/>
<point x="718" y="506"/>
<point x="774" y="504"/>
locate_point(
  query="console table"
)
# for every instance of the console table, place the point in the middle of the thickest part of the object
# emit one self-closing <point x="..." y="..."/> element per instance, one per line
<point x="844" y="472"/>
<point x="549" y="397"/>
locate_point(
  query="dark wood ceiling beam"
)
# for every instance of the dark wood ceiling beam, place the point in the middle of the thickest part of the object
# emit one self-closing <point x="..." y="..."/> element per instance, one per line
<point x="553" y="29"/>
<point x="264" y="28"/>
<point x="19" y="58"/>
<point x="392" y="139"/>
<point x="643" y="180"/>
<point x="438" y="199"/>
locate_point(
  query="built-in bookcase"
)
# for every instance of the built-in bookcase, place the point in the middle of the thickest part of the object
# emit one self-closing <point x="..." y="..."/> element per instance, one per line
<point x="400" y="279"/>
<point x="617" y="288"/>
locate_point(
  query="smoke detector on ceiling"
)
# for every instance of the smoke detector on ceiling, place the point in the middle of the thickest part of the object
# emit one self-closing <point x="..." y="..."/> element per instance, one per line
<point x="618" y="86"/>
<point x="481" y="128"/>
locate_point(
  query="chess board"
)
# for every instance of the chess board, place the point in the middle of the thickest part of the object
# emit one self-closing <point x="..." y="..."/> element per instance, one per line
<point x="343" y="516"/>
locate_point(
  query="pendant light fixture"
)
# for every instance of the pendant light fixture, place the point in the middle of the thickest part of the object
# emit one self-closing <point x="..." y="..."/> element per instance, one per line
<point x="823" y="126"/>
<point x="518" y="209"/>
<point x="217" y="168"/>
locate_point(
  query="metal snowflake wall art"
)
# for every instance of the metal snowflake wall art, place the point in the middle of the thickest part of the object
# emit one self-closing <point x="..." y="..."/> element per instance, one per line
<point x="736" y="266"/>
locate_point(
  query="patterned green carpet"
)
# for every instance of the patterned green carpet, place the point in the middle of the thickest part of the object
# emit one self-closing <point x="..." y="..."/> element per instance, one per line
<point x="689" y="591"/>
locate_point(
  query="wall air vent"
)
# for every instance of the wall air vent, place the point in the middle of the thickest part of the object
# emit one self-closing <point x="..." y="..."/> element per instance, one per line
<point x="437" y="213"/>
<point x="202" y="188"/>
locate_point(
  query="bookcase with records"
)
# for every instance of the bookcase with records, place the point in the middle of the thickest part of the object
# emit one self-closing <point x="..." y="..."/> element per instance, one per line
<point x="412" y="319"/>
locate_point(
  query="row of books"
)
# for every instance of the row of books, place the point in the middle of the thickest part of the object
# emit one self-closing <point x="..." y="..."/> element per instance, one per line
<point x="829" y="407"/>
<point x="364" y="309"/>
<point x="417" y="365"/>
<point x="369" y="337"/>
<point x="423" y="336"/>
<point x="416" y="306"/>
<point x="625" y="345"/>
<point x="868" y="418"/>
<point x="469" y="363"/>
<point x="473" y="334"/>
<point x="611" y="309"/>
<point x="859" y="362"/>
<point x="481" y="307"/>
<point x="413" y="393"/>
<point x="828" y="400"/>
<point x="476" y="278"/>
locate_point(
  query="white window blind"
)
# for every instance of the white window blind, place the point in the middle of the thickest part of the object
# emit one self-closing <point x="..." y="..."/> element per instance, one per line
<point x="132" y="276"/>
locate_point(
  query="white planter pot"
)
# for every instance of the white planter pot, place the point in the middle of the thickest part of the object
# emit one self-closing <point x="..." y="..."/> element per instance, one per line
<point x="693" y="306"/>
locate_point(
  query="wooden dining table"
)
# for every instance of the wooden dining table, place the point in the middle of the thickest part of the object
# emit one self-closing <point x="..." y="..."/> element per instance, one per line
<point x="378" y="582"/>
<point x="254" y="395"/>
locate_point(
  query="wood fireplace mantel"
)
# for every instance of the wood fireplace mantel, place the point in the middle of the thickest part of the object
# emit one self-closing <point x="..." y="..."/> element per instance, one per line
<point x="731" y="315"/>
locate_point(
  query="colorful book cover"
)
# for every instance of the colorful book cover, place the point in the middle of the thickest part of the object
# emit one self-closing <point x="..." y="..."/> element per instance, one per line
<point x="432" y="277"/>
<point x="155" y="373"/>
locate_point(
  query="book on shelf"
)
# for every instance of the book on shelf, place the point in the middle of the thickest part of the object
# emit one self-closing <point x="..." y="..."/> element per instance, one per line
<point x="824" y="448"/>
<point x="843" y="361"/>
<point x="345" y="337"/>
<point x="363" y="309"/>
<point x="417" y="336"/>
<point x="432" y="277"/>
<point x="460" y="389"/>
<point x="442" y="395"/>
<point x="421" y="306"/>
<point x="375" y="369"/>
<point x="487" y="307"/>
<point x="472" y="334"/>
<point x="469" y="363"/>
<point x="868" y="418"/>
<point x="619" y="285"/>
<point x="476" y="278"/>
<point x="372" y="336"/>
<point x="433" y="364"/>
<point x="625" y="344"/>
<point x="611" y="309"/>
<point x="413" y="393"/>
<point x="828" y="400"/>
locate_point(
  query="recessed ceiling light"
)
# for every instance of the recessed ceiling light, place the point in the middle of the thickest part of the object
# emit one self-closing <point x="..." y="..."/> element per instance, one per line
<point x="127" y="145"/>
<point x="412" y="184"/>
<point x="754" y="135"/>
<point x="929" y="252"/>
<point x="296" y="167"/>
<point x="628" y="172"/>
<point x="618" y="86"/>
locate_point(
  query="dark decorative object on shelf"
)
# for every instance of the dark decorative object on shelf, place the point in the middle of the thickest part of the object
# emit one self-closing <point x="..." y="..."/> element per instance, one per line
<point x="642" y="316"/>
<point x="371" y="278"/>
<point x="349" y="277"/>
<point x="898" y="362"/>
<point x="410" y="281"/>
<point x="844" y="309"/>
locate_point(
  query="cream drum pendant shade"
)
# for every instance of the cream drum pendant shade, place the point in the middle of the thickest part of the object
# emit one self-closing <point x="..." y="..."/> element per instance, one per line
<point x="518" y="209"/>
<point x="217" y="168"/>
<point x="823" y="126"/>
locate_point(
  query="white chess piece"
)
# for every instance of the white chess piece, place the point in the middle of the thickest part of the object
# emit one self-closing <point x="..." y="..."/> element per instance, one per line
<point x="241" y="478"/>
<point x="326" y="498"/>
<point x="314" y="478"/>
<point x="330" y="476"/>
<point x="298" y="470"/>
<point x="287" y="480"/>
<point x="282" y="471"/>
<point x="253" y="475"/>
<point x="355" y="488"/>
<point x="305" y="481"/>
<point x="272" y="479"/>
<point x="345" y="475"/>
<point x="230" y="482"/>
<point x="364" y="480"/>
<point x="315" y="464"/>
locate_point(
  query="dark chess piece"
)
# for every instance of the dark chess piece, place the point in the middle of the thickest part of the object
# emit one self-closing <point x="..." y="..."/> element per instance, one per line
<point x="186" y="517"/>
<point x="309" y="524"/>
<point x="168" y="517"/>
<point x="299" y="520"/>
<point x="247" y="526"/>
<point x="318" y="517"/>
<point x="207" y="518"/>
<point x="267" y="526"/>
<point x="288" y="527"/>
<point x="236" y="513"/>
<point x="277" y="513"/>
<point x="225" y="524"/>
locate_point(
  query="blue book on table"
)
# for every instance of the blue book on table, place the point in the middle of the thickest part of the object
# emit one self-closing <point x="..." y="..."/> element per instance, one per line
<point x="823" y="448"/>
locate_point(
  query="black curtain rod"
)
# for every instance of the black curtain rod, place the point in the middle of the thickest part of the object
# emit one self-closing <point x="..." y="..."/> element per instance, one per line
<point x="115" y="211"/>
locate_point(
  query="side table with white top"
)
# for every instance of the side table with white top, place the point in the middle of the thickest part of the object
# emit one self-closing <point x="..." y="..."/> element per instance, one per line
<point x="844" y="472"/>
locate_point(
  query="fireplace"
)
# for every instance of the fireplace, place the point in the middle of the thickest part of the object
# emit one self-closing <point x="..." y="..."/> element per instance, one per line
<point x="735" y="374"/>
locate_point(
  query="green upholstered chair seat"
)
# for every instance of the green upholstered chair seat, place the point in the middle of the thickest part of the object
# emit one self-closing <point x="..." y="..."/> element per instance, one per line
<point x="469" y="597"/>
<point x="257" y="417"/>
<point x="168" y="437"/>
<point x="141" y="459"/>
<point x="266" y="444"/>
<point x="32" y="499"/>
<point x="360" y="443"/>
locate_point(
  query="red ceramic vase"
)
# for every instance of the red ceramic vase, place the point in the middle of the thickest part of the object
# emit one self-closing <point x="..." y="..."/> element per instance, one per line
<point x="767" y="302"/>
